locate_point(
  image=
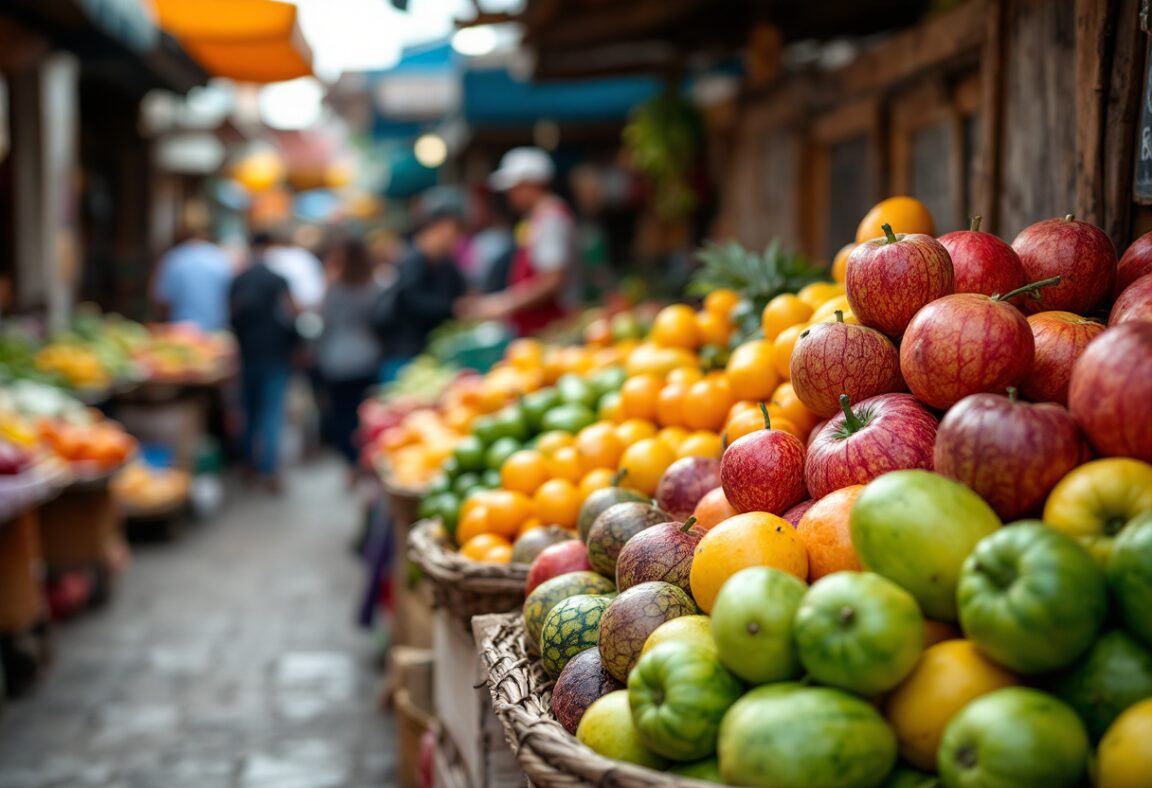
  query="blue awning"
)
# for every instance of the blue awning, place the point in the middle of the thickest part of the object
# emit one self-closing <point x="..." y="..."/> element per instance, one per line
<point x="492" y="97"/>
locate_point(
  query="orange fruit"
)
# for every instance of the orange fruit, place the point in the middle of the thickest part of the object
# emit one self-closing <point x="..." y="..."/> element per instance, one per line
<point x="638" y="397"/>
<point x="748" y="421"/>
<point x="598" y="333"/>
<point x="652" y="359"/>
<point x="713" y="329"/>
<point x="557" y="502"/>
<point x="706" y="403"/>
<point x="743" y="405"/>
<point x="687" y="375"/>
<point x="840" y="262"/>
<point x="721" y="302"/>
<point x="751" y="371"/>
<point x="498" y="554"/>
<point x="782" y="349"/>
<point x="507" y="511"/>
<point x="673" y="436"/>
<point x="550" y="442"/>
<point x="596" y="479"/>
<point x="701" y="443"/>
<point x="478" y="547"/>
<point x="525" y="353"/>
<point x="828" y="309"/>
<point x="670" y="404"/>
<point x="785" y="403"/>
<point x="565" y="464"/>
<point x="713" y="509"/>
<point x="826" y="533"/>
<point x="634" y="430"/>
<point x="750" y="539"/>
<point x="524" y="471"/>
<point x="815" y="294"/>
<point x="646" y="460"/>
<point x="531" y="524"/>
<point x="472" y="523"/>
<point x="905" y="214"/>
<point x="599" y="447"/>
<point x="675" y="326"/>
<point x="781" y="312"/>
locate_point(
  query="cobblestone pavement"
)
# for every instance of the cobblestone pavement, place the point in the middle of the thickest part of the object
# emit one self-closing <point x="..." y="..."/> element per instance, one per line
<point x="227" y="658"/>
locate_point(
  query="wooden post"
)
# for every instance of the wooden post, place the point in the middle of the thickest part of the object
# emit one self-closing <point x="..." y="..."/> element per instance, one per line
<point x="1093" y="65"/>
<point x="986" y="199"/>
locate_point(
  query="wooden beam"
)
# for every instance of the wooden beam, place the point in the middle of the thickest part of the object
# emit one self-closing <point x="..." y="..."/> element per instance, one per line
<point x="985" y="199"/>
<point x="1093" y="58"/>
<point x="486" y="18"/>
<point x="611" y="23"/>
<point x="1121" y="116"/>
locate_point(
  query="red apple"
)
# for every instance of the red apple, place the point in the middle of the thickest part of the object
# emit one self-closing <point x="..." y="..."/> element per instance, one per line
<point x="891" y="432"/>
<point x="1136" y="262"/>
<point x="1135" y="303"/>
<point x="764" y="471"/>
<point x="794" y="514"/>
<point x="888" y="279"/>
<point x="831" y="359"/>
<point x="1059" y="338"/>
<point x="1010" y="452"/>
<point x="982" y="262"/>
<point x="1081" y="254"/>
<point x="556" y="560"/>
<point x="1111" y="391"/>
<point x="967" y="343"/>
<point x="685" y="482"/>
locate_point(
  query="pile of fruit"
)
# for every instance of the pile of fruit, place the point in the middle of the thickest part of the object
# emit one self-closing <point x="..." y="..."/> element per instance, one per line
<point x="926" y="558"/>
<point x="181" y="352"/>
<point x="143" y="488"/>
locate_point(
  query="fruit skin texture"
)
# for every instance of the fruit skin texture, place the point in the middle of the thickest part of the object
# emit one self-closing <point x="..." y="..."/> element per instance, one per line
<point x="612" y="530"/>
<point x="1097" y="500"/>
<point x="1124" y="759"/>
<point x="949" y="676"/>
<point x="826" y="531"/>
<point x="752" y="624"/>
<point x="551" y="592"/>
<point x="786" y="736"/>
<point x="1135" y="303"/>
<point x="695" y="631"/>
<point x="572" y="626"/>
<point x="1081" y="254"/>
<point x="1032" y="598"/>
<point x="684" y="483"/>
<point x="888" y="282"/>
<point x="831" y="359"/>
<point x="713" y="509"/>
<point x="582" y="682"/>
<point x="632" y="617"/>
<point x="916" y="528"/>
<point x="558" y="559"/>
<point x="1130" y="577"/>
<point x="982" y="262"/>
<point x="606" y="728"/>
<point x="963" y="344"/>
<point x="1059" y="339"/>
<point x="595" y="504"/>
<point x="764" y="472"/>
<point x="1110" y="390"/>
<point x="751" y="539"/>
<point x="1135" y="263"/>
<point x="663" y="552"/>
<point x="1011" y="453"/>
<point x="794" y="514"/>
<point x="895" y="432"/>
<point x="679" y="695"/>
<point x="1114" y="675"/>
<point x="527" y="547"/>
<point x="859" y="632"/>
<point x="1014" y="738"/>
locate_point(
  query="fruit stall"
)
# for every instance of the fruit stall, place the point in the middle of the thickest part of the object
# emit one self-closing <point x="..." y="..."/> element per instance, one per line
<point x="887" y="522"/>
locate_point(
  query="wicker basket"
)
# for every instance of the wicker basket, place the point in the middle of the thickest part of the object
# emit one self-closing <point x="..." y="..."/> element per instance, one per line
<point x="548" y="754"/>
<point x="403" y="502"/>
<point x="464" y="587"/>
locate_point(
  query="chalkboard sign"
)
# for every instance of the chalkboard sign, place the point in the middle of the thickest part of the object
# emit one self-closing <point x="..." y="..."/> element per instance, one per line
<point x="1142" y="183"/>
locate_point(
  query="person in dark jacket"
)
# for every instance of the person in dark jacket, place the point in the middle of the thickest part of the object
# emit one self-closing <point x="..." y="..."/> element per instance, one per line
<point x="429" y="287"/>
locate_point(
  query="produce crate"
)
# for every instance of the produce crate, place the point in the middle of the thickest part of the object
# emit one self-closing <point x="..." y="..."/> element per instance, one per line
<point x="548" y="754"/>
<point x="410" y="670"/>
<point x="77" y="529"/>
<point x="25" y="639"/>
<point x="411" y="601"/>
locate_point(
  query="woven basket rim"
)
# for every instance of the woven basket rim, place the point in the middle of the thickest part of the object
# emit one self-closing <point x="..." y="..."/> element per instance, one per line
<point x="548" y="754"/>
<point x="429" y="548"/>
<point x="396" y="489"/>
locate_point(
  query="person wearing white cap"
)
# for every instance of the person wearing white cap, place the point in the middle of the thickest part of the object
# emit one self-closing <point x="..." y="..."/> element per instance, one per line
<point x="544" y="266"/>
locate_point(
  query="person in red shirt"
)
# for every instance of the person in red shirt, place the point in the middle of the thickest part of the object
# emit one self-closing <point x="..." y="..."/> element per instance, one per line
<point x="542" y="282"/>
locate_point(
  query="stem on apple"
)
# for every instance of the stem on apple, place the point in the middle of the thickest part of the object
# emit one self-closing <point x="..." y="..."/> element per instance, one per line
<point x="888" y="234"/>
<point x="974" y="223"/>
<point x="1068" y="217"/>
<point x="691" y="521"/>
<point x="852" y="422"/>
<point x="1032" y="289"/>
<point x="767" y="418"/>
<point x="839" y="315"/>
<point x="1011" y="393"/>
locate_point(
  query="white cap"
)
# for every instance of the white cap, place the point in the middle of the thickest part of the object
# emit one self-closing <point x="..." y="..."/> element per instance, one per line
<point x="522" y="165"/>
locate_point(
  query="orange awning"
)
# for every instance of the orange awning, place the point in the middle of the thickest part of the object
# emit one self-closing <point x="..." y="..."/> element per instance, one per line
<point x="244" y="40"/>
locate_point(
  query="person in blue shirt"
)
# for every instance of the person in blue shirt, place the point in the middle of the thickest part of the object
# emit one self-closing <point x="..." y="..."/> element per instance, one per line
<point x="191" y="282"/>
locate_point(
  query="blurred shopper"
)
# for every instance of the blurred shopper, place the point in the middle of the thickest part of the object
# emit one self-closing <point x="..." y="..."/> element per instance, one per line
<point x="543" y="280"/>
<point x="301" y="269"/>
<point x="349" y="351"/>
<point x="263" y="318"/>
<point x="191" y="282"/>
<point x="429" y="288"/>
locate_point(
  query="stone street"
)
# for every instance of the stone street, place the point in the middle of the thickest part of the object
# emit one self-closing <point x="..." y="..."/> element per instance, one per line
<point x="228" y="657"/>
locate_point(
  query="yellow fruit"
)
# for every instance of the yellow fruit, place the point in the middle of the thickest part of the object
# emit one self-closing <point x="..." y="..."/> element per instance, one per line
<point x="751" y="372"/>
<point x="721" y="302"/>
<point x="1124" y="759"/>
<point x="815" y="294"/>
<point x="646" y="460"/>
<point x="673" y="436"/>
<point x="782" y="349"/>
<point x="675" y="326"/>
<point x="829" y="308"/>
<point x="840" y="262"/>
<point x="781" y="312"/>
<point x="633" y="430"/>
<point x="713" y="329"/>
<point x="701" y="443"/>
<point x="905" y="214"/>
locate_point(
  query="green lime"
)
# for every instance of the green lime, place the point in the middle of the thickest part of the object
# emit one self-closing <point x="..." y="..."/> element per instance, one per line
<point x="491" y="478"/>
<point x="609" y="379"/>
<point x="536" y="404"/>
<point x="440" y="484"/>
<point x="569" y="418"/>
<point x="465" y="482"/>
<point x="609" y="403"/>
<point x="574" y="390"/>
<point x="499" y="451"/>
<point x="450" y="468"/>
<point x="510" y="423"/>
<point x="469" y="454"/>
<point x="486" y="429"/>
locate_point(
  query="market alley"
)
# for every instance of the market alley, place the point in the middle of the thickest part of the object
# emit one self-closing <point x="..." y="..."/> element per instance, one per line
<point x="227" y="658"/>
